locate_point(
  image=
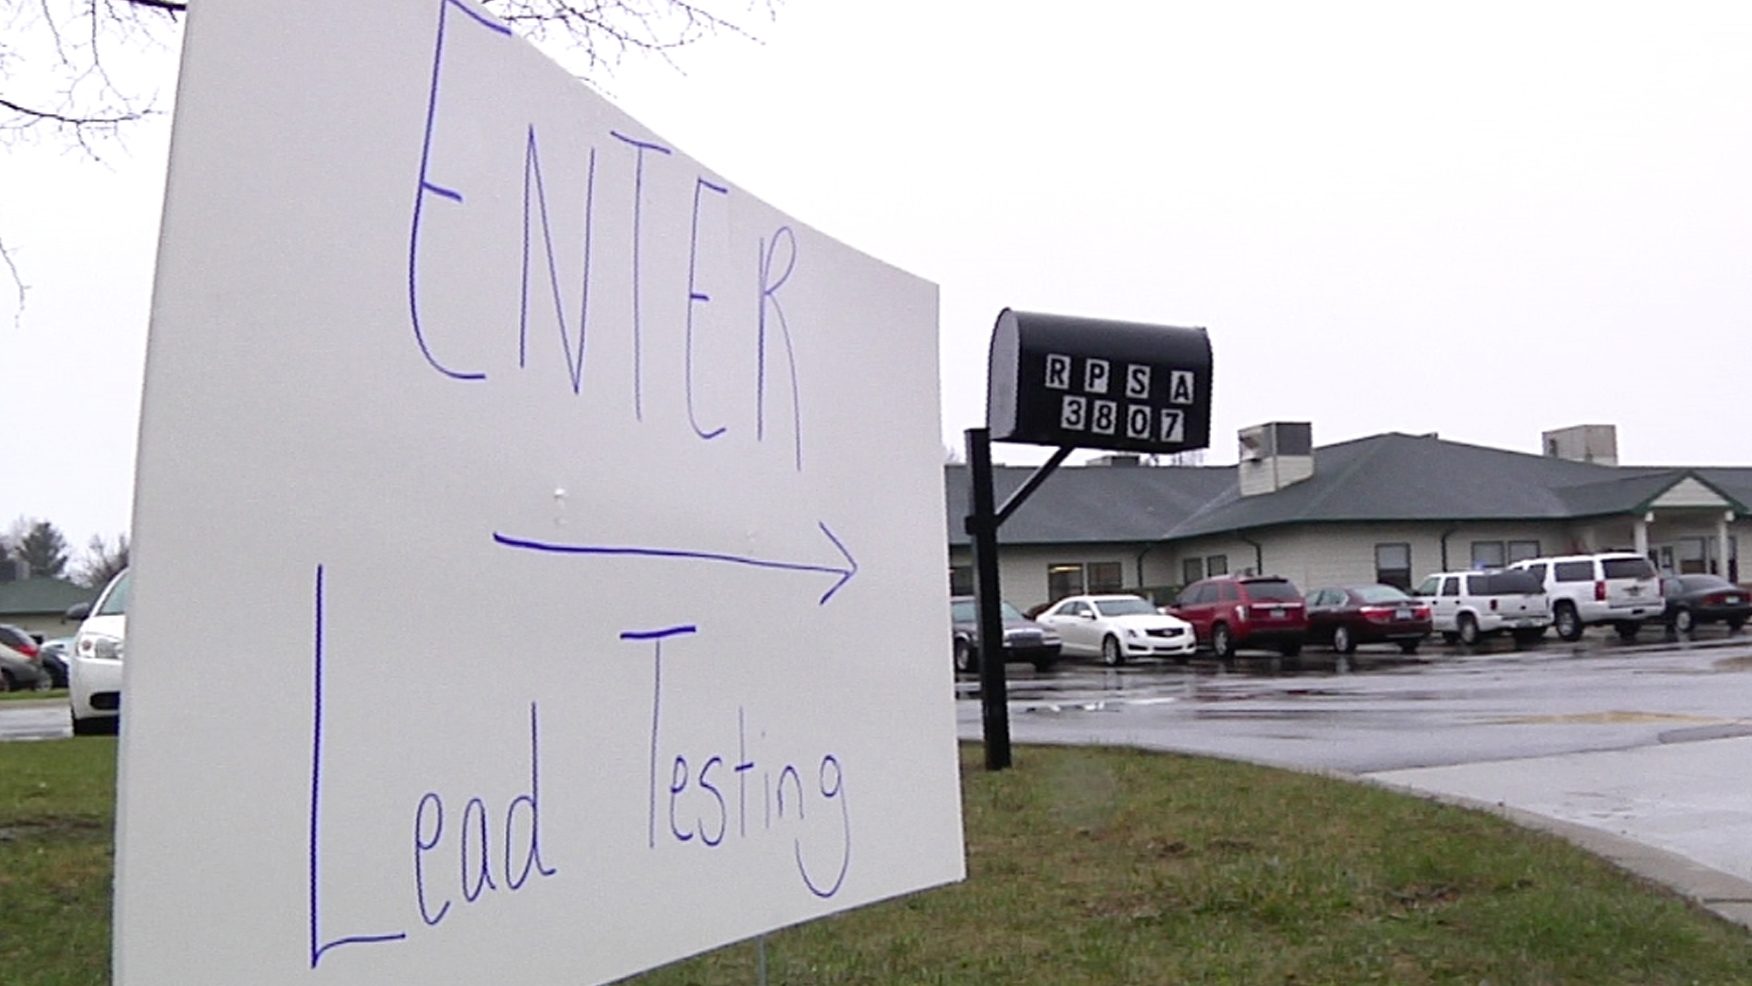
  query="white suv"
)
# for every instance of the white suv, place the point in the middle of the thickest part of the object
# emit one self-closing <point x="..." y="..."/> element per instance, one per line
<point x="94" y="668"/>
<point x="1469" y="606"/>
<point x="1616" y="587"/>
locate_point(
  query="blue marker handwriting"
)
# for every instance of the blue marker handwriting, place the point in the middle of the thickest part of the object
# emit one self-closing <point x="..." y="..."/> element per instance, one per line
<point x="552" y="242"/>
<point x="683" y="554"/>
<point x="705" y="800"/>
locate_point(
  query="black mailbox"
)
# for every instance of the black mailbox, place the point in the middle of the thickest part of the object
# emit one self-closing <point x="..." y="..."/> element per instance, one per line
<point x="1092" y="383"/>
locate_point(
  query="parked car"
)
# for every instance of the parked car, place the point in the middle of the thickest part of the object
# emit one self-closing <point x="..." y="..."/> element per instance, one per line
<point x="95" y="682"/>
<point x="1694" y="599"/>
<point x="1230" y="612"/>
<point x="1024" y="639"/>
<point x="21" y="663"/>
<point x="55" y="654"/>
<point x="1345" y="616"/>
<point x="1117" y="628"/>
<point x="1470" y="606"/>
<point x="1616" y="587"/>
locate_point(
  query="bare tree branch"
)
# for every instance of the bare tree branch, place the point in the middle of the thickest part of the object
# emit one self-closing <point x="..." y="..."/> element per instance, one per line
<point x="67" y="46"/>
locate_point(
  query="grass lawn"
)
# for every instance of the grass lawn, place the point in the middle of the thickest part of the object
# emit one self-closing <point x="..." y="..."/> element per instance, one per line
<point x="59" y="694"/>
<point x="1085" y="866"/>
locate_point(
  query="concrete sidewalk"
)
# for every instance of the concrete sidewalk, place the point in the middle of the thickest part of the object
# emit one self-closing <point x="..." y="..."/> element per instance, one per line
<point x="1678" y="814"/>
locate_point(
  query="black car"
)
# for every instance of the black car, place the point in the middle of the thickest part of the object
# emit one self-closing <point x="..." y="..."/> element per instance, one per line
<point x="1694" y="599"/>
<point x="1024" y="639"/>
<point x="54" y="654"/>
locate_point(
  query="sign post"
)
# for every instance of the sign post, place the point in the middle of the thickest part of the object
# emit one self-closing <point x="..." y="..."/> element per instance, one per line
<point x="1070" y="383"/>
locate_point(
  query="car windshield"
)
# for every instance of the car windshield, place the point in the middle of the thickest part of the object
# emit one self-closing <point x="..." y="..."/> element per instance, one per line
<point x="1123" y="607"/>
<point x="115" y="601"/>
<point x="967" y="611"/>
<point x="1381" y="594"/>
<point x="1627" y="568"/>
<point x="1275" y="590"/>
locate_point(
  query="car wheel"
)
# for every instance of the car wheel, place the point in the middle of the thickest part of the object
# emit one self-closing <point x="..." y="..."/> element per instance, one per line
<point x="1683" y="623"/>
<point x="1222" y="641"/>
<point x="1111" y="655"/>
<point x="1569" y="625"/>
<point x="1044" y="664"/>
<point x="1408" y="646"/>
<point x="965" y="661"/>
<point x="1342" y="641"/>
<point x="44" y="682"/>
<point x="1627" y="631"/>
<point x="7" y="683"/>
<point x="1735" y="625"/>
<point x="1468" y="629"/>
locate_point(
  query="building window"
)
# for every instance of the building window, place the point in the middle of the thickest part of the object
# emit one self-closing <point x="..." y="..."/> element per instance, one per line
<point x="961" y="580"/>
<point x="1488" y="554"/>
<point x="1522" y="550"/>
<point x="1393" y="564"/>
<point x="1217" y="565"/>
<point x="1191" y="570"/>
<point x="1076" y="578"/>
<point x="1064" y="580"/>
<point x="1105" y="576"/>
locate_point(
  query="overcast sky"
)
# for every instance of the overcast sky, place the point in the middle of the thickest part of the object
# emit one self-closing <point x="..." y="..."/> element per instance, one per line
<point x="1484" y="219"/>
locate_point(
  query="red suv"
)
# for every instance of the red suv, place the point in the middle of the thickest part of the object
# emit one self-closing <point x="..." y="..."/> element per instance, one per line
<point x="1235" y="611"/>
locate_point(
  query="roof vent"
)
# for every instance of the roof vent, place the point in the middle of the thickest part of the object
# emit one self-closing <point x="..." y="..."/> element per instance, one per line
<point x="1583" y="443"/>
<point x="1275" y="455"/>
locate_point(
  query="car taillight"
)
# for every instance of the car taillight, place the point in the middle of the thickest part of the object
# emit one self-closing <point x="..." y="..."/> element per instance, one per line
<point x="1600" y="590"/>
<point x="1377" y="614"/>
<point x="1422" y="612"/>
<point x="28" y="649"/>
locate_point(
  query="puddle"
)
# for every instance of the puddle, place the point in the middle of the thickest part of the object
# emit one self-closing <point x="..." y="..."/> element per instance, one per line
<point x="1615" y="717"/>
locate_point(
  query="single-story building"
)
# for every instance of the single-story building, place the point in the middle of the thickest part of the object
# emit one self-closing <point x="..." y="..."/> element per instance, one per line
<point x="1389" y="508"/>
<point x="36" y="603"/>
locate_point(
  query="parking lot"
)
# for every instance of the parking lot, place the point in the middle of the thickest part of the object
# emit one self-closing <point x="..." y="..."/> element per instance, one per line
<point x="1379" y="710"/>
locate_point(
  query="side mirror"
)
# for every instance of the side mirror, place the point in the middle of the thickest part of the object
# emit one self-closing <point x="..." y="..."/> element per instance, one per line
<point x="1087" y="616"/>
<point x="76" y="612"/>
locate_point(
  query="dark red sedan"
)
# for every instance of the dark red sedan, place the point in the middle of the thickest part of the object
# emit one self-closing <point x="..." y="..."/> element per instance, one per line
<point x="1345" y="616"/>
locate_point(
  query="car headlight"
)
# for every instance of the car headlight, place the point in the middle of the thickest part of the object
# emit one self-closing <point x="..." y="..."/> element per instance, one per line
<point x="98" y="645"/>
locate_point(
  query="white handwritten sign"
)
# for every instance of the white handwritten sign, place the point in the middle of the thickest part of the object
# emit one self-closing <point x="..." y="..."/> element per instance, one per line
<point x="539" y="572"/>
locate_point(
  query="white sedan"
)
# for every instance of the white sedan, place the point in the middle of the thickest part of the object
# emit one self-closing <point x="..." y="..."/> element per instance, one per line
<point x="1118" y="628"/>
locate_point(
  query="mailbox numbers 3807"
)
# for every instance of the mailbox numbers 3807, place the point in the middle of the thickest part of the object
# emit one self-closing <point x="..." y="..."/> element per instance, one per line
<point x="1143" y="403"/>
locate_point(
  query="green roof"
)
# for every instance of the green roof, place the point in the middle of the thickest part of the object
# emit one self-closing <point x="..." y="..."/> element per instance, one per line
<point x="41" y="595"/>
<point x="1391" y="477"/>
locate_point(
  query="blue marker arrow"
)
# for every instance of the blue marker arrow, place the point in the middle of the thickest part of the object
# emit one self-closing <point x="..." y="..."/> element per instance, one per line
<point x="845" y="574"/>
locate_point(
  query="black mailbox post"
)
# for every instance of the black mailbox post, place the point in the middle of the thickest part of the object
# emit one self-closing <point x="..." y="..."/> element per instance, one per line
<point x="1071" y="383"/>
